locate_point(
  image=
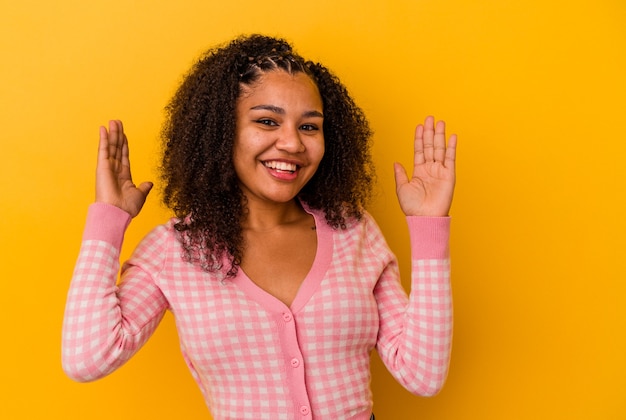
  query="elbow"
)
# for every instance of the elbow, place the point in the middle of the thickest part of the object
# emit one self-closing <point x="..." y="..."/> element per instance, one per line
<point x="75" y="374"/>
<point x="431" y="391"/>
<point x="78" y="370"/>
<point x="87" y="361"/>
<point x="430" y="385"/>
<point x="74" y="362"/>
<point x="87" y="366"/>
<point x="83" y="366"/>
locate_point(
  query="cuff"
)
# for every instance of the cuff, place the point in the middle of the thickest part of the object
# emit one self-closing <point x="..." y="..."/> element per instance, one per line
<point x="430" y="237"/>
<point x="107" y="223"/>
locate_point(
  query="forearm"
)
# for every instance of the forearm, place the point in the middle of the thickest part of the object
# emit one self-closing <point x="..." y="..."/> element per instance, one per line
<point x="100" y="328"/>
<point x="420" y="332"/>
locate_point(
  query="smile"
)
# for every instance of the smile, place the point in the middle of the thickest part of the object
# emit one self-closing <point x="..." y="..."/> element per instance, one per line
<point x="281" y="166"/>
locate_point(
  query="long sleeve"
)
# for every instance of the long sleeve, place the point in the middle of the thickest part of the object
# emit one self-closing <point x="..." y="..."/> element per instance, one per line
<point x="105" y="324"/>
<point x="250" y="354"/>
<point x="415" y="336"/>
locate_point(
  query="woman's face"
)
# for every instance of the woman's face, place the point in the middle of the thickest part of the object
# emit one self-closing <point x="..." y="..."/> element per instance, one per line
<point x="279" y="140"/>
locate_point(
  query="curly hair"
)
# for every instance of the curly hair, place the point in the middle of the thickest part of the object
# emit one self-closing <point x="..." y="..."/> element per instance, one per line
<point x="200" y="183"/>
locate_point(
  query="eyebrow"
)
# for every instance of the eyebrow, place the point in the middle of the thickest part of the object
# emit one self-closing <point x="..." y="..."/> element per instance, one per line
<point x="278" y="110"/>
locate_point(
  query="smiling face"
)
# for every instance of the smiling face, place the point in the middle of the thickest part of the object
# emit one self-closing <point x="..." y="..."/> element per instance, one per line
<point x="279" y="139"/>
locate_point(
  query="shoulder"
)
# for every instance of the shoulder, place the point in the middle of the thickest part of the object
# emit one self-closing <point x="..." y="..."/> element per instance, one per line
<point x="157" y="245"/>
<point x="350" y="222"/>
<point x="162" y="235"/>
<point x="363" y="230"/>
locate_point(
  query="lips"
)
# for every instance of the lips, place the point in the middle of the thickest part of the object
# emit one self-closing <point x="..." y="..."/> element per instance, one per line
<point x="281" y="166"/>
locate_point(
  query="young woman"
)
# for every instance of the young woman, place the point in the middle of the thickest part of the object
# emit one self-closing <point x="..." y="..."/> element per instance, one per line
<point x="280" y="282"/>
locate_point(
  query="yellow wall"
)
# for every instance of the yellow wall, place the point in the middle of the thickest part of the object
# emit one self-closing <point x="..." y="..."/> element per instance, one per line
<point x="535" y="90"/>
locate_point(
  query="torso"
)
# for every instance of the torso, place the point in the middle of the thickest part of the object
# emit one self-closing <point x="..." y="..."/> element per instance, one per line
<point x="278" y="260"/>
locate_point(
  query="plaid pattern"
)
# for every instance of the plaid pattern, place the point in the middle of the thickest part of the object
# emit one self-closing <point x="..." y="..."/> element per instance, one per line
<point x="252" y="356"/>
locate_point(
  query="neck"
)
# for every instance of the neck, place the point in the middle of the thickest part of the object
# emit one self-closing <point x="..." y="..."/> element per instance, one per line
<point x="267" y="216"/>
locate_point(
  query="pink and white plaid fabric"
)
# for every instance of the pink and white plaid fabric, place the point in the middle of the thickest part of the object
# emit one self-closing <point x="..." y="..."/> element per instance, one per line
<point x="252" y="356"/>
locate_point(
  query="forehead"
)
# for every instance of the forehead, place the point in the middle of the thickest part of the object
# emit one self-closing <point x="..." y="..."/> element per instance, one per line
<point x="281" y="86"/>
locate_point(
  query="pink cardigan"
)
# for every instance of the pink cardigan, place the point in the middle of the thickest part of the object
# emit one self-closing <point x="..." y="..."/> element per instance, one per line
<point x="252" y="356"/>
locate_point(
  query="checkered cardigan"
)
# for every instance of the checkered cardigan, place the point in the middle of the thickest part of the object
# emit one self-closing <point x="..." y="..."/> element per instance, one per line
<point x="252" y="356"/>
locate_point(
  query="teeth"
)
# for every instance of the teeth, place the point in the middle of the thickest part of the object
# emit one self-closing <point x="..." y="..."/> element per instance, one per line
<point x="281" y="166"/>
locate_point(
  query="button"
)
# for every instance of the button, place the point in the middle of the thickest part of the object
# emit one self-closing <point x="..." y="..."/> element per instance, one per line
<point x="287" y="317"/>
<point x="304" y="410"/>
<point x="295" y="363"/>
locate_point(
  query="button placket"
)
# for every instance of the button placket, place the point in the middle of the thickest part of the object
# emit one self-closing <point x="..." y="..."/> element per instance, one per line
<point x="293" y="357"/>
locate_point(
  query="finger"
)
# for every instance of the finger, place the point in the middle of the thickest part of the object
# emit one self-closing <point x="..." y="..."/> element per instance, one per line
<point x="125" y="163"/>
<point x="103" y="144"/>
<point x="450" y="157"/>
<point x="124" y="151"/>
<point x="418" y="145"/>
<point x="122" y="147"/>
<point x="115" y="141"/>
<point x="429" y="134"/>
<point x="439" y="142"/>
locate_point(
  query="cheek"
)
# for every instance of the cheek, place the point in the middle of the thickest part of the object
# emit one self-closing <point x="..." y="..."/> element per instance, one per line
<point x="320" y="150"/>
<point x="315" y="146"/>
<point x="242" y="147"/>
<point x="236" y="156"/>
<point x="239" y="158"/>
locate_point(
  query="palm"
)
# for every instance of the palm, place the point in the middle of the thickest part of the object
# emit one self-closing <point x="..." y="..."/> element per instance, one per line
<point x="114" y="184"/>
<point x="430" y="189"/>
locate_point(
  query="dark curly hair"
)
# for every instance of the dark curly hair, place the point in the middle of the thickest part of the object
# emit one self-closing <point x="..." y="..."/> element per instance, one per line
<point x="200" y="183"/>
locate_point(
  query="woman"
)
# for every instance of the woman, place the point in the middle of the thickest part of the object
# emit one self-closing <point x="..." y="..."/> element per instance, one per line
<point x="281" y="284"/>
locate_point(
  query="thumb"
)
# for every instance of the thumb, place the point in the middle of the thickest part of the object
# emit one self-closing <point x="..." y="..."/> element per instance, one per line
<point x="400" y="174"/>
<point x="145" y="188"/>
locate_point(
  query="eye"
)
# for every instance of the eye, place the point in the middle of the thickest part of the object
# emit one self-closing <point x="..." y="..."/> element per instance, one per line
<point x="266" y="121"/>
<point x="309" y="127"/>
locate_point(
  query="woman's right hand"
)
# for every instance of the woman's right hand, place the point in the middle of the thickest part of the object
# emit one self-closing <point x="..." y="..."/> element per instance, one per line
<point x="114" y="183"/>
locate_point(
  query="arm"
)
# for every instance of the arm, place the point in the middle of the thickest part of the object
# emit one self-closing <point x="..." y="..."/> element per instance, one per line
<point x="416" y="335"/>
<point x="104" y="325"/>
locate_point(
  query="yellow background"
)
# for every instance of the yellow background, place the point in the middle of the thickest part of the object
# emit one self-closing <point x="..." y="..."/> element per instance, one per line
<point x="535" y="89"/>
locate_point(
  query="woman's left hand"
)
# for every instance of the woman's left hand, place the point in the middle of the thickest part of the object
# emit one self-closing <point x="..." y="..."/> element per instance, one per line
<point x="429" y="191"/>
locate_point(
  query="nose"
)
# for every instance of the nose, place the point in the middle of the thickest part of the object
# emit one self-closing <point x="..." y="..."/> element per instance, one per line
<point x="289" y="140"/>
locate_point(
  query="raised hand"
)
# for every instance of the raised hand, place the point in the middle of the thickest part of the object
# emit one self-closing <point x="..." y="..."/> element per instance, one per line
<point x="430" y="189"/>
<point x="114" y="183"/>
